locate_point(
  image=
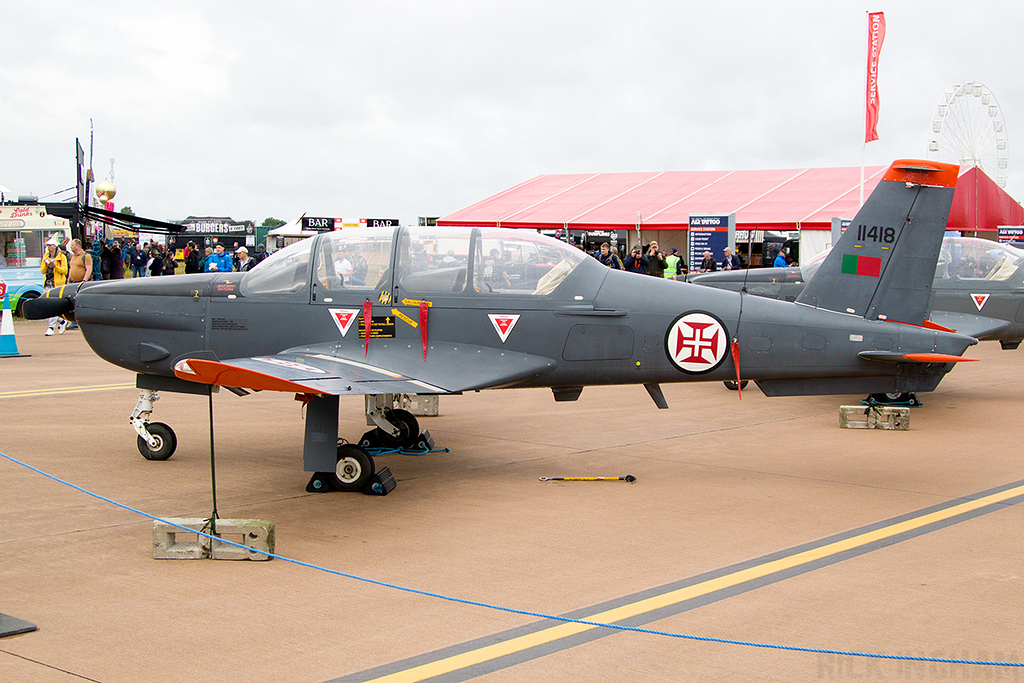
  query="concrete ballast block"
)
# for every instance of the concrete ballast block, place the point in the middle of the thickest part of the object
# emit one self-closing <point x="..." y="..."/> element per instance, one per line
<point x="256" y="534"/>
<point x="874" y="417"/>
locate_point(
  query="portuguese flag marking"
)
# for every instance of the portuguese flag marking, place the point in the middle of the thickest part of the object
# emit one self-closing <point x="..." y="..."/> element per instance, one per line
<point x="854" y="264"/>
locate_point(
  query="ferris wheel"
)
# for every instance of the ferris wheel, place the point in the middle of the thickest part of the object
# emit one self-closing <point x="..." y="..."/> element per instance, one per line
<point x="968" y="128"/>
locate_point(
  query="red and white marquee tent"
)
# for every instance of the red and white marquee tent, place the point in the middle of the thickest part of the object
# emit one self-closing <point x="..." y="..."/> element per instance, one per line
<point x="658" y="203"/>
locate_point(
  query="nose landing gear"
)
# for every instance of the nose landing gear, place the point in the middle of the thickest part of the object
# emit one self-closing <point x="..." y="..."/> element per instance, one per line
<point x="156" y="440"/>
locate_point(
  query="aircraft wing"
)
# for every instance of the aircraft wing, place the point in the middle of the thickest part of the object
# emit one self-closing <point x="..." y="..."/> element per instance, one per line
<point x="977" y="326"/>
<point x="391" y="368"/>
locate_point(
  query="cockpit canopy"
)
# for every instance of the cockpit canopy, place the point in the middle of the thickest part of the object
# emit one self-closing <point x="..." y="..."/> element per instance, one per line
<point x="425" y="260"/>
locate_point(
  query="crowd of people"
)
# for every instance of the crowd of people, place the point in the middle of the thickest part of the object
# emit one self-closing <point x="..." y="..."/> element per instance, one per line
<point x="669" y="264"/>
<point x="69" y="262"/>
<point x="151" y="259"/>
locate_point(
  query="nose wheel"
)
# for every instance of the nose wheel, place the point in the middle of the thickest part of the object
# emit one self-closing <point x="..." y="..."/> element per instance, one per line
<point x="156" y="440"/>
<point x="164" y="439"/>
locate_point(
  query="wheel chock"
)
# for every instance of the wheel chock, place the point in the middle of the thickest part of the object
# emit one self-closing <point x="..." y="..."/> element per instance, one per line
<point x="319" y="484"/>
<point x="425" y="441"/>
<point x="381" y="483"/>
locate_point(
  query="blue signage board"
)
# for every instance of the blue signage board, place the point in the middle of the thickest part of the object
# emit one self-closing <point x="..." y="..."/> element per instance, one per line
<point x="1011" y="233"/>
<point x="710" y="232"/>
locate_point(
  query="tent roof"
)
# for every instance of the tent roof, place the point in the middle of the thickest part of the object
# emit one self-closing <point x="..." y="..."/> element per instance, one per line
<point x="980" y="204"/>
<point x="774" y="199"/>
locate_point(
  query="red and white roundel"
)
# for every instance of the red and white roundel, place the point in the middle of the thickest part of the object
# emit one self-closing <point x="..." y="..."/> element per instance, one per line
<point x="697" y="342"/>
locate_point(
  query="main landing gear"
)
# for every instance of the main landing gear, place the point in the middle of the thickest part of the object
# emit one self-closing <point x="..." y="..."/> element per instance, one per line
<point x="894" y="398"/>
<point x="395" y="430"/>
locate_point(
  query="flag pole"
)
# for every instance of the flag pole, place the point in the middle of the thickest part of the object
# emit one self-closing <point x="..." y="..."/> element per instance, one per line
<point x="863" y="155"/>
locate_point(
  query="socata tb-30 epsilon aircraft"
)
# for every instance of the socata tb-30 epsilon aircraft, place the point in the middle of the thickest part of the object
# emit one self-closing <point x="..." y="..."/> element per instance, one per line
<point x="446" y="310"/>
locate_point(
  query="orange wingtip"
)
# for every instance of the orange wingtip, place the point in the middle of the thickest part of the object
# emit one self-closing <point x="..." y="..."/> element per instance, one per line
<point x="936" y="358"/>
<point x="935" y="173"/>
<point x="212" y="372"/>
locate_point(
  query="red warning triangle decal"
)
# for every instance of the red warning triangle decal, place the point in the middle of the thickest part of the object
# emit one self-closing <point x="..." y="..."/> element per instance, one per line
<point x="980" y="299"/>
<point x="503" y="324"/>
<point x="343" y="318"/>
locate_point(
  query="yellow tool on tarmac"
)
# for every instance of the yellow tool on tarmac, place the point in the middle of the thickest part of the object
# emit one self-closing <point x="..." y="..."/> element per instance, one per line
<point x="629" y="477"/>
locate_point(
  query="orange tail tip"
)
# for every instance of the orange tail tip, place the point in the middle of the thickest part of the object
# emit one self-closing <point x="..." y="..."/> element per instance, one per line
<point x="934" y="173"/>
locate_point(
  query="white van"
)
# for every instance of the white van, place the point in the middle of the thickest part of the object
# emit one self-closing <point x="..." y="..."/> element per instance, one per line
<point x="24" y="230"/>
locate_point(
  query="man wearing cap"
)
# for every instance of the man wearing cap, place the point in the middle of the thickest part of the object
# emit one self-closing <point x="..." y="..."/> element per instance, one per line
<point x="245" y="263"/>
<point x="731" y="261"/>
<point x="636" y="262"/>
<point x="54" y="267"/>
<point x="655" y="261"/>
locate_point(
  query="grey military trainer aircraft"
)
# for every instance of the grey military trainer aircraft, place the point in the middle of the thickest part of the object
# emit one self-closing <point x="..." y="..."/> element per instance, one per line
<point x="978" y="288"/>
<point x="432" y="310"/>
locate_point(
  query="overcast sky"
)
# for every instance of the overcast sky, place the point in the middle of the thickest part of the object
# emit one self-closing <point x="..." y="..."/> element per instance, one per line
<point x="398" y="109"/>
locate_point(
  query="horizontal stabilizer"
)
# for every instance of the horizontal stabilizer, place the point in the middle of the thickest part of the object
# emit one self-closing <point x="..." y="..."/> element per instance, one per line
<point x="896" y="357"/>
<point x="977" y="326"/>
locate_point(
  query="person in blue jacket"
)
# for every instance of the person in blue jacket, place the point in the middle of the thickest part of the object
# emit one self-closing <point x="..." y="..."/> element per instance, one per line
<point x="219" y="261"/>
<point x="780" y="259"/>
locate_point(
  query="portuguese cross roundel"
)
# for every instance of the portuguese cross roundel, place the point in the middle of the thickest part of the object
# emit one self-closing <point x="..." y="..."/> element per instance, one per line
<point x="697" y="342"/>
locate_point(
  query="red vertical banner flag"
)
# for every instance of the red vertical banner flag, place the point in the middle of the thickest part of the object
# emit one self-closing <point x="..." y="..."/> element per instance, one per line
<point x="876" y="34"/>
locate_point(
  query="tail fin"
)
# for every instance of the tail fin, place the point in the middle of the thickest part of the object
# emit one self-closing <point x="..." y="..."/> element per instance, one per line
<point x="883" y="265"/>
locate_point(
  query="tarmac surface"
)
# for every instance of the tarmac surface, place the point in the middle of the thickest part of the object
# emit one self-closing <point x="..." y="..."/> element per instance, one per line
<point x="754" y="520"/>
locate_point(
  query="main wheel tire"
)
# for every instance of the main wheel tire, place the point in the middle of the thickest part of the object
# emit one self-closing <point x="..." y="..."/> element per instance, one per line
<point x="354" y="469"/>
<point x="408" y="427"/>
<point x="731" y="385"/>
<point x="168" y="442"/>
<point x="892" y="397"/>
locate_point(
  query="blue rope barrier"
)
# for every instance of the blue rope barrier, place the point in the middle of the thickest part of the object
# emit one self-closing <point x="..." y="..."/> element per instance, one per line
<point x="383" y="450"/>
<point x="512" y="610"/>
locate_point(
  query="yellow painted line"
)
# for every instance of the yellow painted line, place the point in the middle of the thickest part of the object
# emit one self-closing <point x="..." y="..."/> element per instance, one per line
<point x="489" y="652"/>
<point x="54" y="391"/>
